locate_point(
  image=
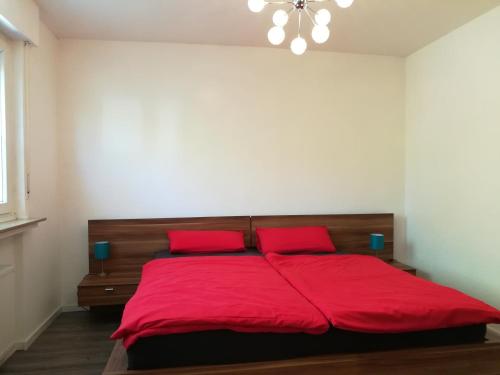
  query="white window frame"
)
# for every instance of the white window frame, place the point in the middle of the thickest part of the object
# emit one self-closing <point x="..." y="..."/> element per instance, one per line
<point x="7" y="208"/>
<point x="4" y="194"/>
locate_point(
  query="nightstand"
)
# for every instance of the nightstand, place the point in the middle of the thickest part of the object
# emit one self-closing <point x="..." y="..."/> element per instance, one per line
<point x="113" y="289"/>
<point x="403" y="267"/>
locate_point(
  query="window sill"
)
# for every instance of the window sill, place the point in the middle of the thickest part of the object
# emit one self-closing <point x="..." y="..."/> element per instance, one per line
<point x="11" y="228"/>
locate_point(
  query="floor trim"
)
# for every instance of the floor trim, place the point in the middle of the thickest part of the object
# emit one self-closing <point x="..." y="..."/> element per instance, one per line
<point x="495" y="328"/>
<point x="7" y="353"/>
<point x="26" y="343"/>
<point x="72" y="308"/>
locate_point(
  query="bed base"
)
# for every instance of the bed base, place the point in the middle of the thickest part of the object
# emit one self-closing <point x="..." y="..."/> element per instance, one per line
<point x="483" y="358"/>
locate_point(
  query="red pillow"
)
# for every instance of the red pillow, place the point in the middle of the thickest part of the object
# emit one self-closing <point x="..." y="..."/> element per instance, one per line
<point x="294" y="240"/>
<point x="205" y="241"/>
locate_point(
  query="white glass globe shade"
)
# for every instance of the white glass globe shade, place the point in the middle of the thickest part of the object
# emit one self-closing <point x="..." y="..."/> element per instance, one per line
<point x="276" y="35"/>
<point x="323" y="17"/>
<point x="256" y="6"/>
<point x="344" y="3"/>
<point x="298" y="46"/>
<point x="280" y="18"/>
<point x="320" y="34"/>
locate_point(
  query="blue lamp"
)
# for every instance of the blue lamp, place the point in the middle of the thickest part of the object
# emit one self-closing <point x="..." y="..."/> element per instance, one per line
<point x="101" y="252"/>
<point x="377" y="242"/>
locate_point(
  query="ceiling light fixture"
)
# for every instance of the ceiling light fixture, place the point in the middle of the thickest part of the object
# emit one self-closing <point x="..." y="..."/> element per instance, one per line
<point x="320" y="20"/>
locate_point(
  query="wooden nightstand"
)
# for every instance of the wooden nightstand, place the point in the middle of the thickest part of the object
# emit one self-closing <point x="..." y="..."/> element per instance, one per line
<point x="403" y="267"/>
<point x="113" y="289"/>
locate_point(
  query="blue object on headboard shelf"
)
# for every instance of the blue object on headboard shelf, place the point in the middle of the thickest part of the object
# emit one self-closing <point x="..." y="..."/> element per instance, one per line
<point x="101" y="252"/>
<point x="377" y="241"/>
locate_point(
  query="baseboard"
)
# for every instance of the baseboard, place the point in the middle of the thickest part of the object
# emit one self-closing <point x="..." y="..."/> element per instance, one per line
<point x="72" y="308"/>
<point x="26" y="343"/>
<point x="495" y="328"/>
<point x="5" y="355"/>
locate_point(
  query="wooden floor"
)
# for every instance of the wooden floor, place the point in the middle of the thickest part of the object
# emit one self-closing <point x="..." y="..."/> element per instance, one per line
<point x="77" y="344"/>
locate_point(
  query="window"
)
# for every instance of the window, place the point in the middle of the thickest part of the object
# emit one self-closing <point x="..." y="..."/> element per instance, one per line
<point x="13" y="86"/>
<point x="7" y="136"/>
<point x="4" y="196"/>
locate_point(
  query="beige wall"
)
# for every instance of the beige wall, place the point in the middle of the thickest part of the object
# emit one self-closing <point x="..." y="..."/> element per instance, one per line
<point x="165" y="130"/>
<point x="20" y="19"/>
<point x="9" y="247"/>
<point x="453" y="158"/>
<point x="41" y="267"/>
<point x="31" y="294"/>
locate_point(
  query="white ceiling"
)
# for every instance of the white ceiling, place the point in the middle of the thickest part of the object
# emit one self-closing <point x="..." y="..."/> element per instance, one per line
<point x="384" y="27"/>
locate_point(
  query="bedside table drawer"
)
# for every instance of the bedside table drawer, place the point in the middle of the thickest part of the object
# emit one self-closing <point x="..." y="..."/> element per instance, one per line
<point x="105" y="295"/>
<point x="114" y="289"/>
<point x="108" y="290"/>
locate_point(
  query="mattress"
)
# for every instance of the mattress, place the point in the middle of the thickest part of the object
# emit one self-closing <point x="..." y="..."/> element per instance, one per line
<point x="226" y="347"/>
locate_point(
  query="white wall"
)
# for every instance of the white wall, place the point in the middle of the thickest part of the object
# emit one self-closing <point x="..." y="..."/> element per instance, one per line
<point x="453" y="158"/>
<point x="41" y="268"/>
<point x="165" y="130"/>
<point x="8" y="292"/>
<point x="20" y="19"/>
<point x="32" y="293"/>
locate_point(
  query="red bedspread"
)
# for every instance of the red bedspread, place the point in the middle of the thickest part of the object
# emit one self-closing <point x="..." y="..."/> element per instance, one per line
<point x="243" y="294"/>
<point x="364" y="294"/>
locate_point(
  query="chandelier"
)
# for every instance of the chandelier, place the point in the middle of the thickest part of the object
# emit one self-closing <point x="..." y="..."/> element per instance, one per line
<point x="320" y="20"/>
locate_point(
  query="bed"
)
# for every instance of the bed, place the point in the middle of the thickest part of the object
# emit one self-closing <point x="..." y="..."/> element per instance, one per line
<point x="212" y="344"/>
<point x="204" y="301"/>
<point x="359" y="293"/>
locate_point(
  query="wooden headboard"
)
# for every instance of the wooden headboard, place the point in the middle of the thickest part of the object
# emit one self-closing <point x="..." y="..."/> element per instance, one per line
<point x="134" y="241"/>
<point x="349" y="233"/>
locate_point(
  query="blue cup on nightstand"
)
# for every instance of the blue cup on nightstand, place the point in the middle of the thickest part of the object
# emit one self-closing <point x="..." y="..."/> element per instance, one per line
<point x="101" y="252"/>
<point x="377" y="242"/>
